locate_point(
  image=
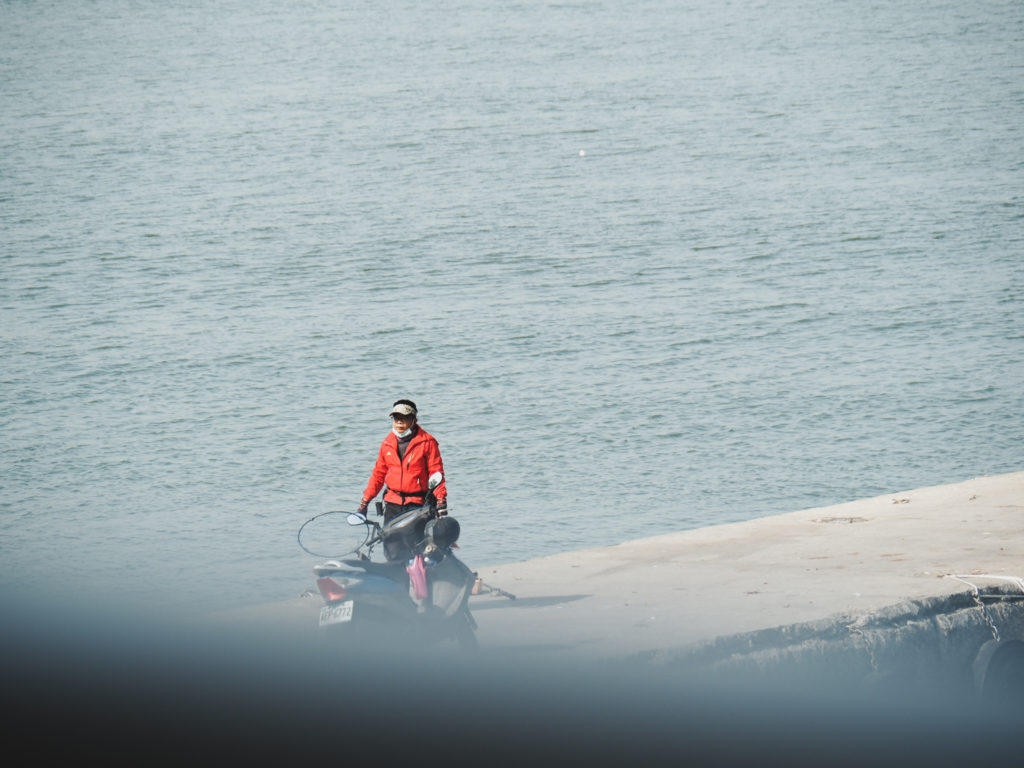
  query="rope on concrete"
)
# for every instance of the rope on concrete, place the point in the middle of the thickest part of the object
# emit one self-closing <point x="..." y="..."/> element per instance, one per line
<point x="977" y="595"/>
<point x="1015" y="579"/>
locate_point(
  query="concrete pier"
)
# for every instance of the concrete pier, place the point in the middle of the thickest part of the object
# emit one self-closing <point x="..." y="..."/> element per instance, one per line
<point x="911" y="585"/>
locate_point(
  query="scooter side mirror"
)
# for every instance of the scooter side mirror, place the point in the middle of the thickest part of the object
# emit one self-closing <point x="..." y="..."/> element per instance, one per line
<point x="434" y="480"/>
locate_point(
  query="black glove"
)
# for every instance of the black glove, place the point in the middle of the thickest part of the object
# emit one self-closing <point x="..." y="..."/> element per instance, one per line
<point x="442" y="507"/>
<point x="362" y="508"/>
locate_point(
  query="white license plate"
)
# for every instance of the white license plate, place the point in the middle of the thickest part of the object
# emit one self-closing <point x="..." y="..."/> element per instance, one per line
<point x="336" y="614"/>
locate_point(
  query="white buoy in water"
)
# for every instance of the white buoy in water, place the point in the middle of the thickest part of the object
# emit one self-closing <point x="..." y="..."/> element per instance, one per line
<point x="582" y="153"/>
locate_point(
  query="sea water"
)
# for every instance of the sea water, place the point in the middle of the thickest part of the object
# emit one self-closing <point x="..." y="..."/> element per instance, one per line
<point x="644" y="266"/>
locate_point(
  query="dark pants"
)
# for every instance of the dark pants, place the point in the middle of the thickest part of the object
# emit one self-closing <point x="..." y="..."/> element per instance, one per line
<point x="398" y="547"/>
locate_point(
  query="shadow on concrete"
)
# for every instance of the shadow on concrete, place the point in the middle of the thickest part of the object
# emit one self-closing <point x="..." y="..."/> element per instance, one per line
<point x="523" y="602"/>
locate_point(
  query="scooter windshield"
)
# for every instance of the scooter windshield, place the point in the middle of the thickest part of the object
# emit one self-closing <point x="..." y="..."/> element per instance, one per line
<point x="332" y="535"/>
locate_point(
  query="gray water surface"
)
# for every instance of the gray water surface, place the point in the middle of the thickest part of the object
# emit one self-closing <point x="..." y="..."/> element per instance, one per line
<point x="644" y="266"/>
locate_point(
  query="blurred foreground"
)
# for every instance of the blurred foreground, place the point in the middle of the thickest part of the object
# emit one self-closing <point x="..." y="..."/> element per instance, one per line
<point x="92" y="682"/>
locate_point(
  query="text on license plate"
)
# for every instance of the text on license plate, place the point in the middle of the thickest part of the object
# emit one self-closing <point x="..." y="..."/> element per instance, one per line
<point x="336" y="614"/>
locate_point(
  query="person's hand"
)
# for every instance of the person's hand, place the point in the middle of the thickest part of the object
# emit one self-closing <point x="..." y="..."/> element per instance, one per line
<point x="442" y="507"/>
<point x="362" y="508"/>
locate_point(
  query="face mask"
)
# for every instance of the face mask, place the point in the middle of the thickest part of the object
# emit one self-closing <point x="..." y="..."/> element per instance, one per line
<point x="402" y="434"/>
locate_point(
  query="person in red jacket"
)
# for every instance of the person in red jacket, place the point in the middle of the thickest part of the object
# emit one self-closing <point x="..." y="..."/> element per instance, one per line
<point x="407" y="457"/>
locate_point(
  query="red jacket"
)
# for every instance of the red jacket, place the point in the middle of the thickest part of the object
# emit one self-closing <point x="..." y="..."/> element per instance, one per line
<point x="422" y="459"/>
